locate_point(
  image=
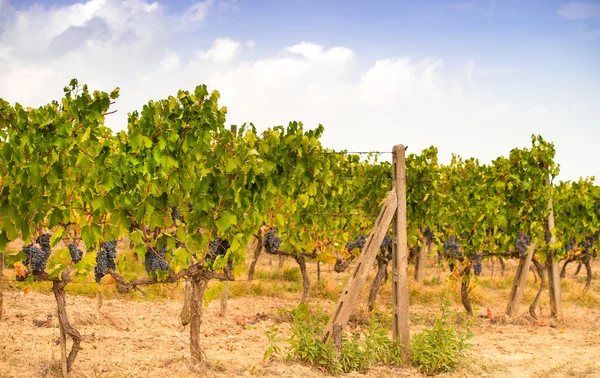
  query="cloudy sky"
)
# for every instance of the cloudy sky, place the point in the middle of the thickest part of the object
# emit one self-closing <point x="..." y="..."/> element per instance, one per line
<point x="475" y="78"/>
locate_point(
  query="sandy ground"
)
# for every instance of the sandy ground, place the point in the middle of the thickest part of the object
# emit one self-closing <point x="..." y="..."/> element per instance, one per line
<point x="130" y="338"/>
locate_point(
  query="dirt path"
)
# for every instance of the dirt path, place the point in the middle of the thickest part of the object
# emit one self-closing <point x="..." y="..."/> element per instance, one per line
<point x="145" y="339"/>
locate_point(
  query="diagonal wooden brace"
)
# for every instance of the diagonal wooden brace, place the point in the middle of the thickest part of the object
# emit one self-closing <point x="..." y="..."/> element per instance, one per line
<point x="349" y="296"/>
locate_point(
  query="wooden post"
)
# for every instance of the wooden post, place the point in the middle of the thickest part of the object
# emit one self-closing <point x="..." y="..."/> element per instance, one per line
<point x="337" y="338"/>
<point x="518" y="288"/>
<point x="349" y="296"/>
<point x="224" y="298"/>
<point x="1" y="286"/>
<point x="552" y="267"/>
<point x="400" y="255"/>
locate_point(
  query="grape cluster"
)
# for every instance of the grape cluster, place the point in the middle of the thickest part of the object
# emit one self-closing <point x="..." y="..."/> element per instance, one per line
<point x="570" y="245"/>
<point x="477" y="264"/>
<point x="452" y="246"/>
<point x="386" y="244"/>
<point x="76" y="253"/>
<point x="27" y="251"/>
<point x="428" y="234"/>
<point x="154" y="262"/>
<point x="218" y="247"/>
<point x="523" y="241"/>
<point x="39" y="258"/>
<point x="44" y="242"/>
<point x="175" y="216"/>
<point x="271" y="241"/>
<point x="105" y="259"/>
<point x="587" y="243"/>
<point x="359" y="243"/>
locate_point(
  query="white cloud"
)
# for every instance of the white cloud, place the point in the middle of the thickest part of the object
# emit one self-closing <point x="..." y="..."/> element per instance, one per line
<point x="223" y="50"/>
<point x="364" y="105"/>
<point x="197" y="11"/>
<point x="580" y="11"/>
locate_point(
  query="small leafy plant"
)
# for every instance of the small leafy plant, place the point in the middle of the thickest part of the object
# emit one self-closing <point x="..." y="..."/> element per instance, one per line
<point x="441" y="348"/>
<point x="359" y="352"/>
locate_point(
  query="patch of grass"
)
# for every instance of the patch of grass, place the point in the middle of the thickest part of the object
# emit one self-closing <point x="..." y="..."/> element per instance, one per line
<point x="261" y="288"/>
<point x="325" y="289"/>
<point x="570" y="370"/>
<point x="480" y="366"/>
<point x="287" y="274"/>
<point x="575" y="293"/>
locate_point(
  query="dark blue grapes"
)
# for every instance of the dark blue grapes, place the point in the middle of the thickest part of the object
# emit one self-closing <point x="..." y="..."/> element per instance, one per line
<point x="587" y="243"/>
<point x="175" y="216"/>
<point x="453" y="247"/>
<point x="105" y="259"/>
<point x="477" y="267"/>
<point x="570" y="245"/>
<point x="44" y="242"/>
<point x="359" y="243"/>
<point x="27" y="251"/>
<point x="271" y="241"/>
<point x="523" y="241"/>
<point x="156" y="260"/>
<point x="39" y="258"/>
<point x="219" y="247"/>
<point x="76" y="253"/>
<point x="386" y="244"/>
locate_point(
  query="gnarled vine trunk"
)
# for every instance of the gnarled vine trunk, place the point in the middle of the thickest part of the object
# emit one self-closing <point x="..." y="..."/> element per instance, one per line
<point x="58" y="287"/>
<point x="541" y="272"/>
<point x="588" y="268"/>
<point x="382" y="264"/>
<point x="257" y="252"/>
<point x="464" y="296"/>
<point x="563" y="271"/>
<point x="199" y="284"/>
<point x="305" y="281"/>
<point x="185" y="314"/>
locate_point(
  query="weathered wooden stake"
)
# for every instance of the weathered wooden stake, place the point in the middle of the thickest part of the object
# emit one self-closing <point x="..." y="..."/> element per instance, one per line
<point x="224" y="298"/>
<point x="1" y="286"/>
<point x="400" y="255"/>
<point x="349" y="296"/>
<point x="518" y="287"/>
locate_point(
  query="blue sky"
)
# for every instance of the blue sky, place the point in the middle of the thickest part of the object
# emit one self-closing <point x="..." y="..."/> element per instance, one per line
<point x="471" y="77"/>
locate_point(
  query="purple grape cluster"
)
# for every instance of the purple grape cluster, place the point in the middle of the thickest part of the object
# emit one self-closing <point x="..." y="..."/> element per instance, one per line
<point x="105" y="259"/>
<point x="477" y="267"/>
<point x="386" y="244"/>
<point x="44" y="242"/>
<point x="271" y="241"/>
<point x="76" y="253"/>
<point x="217" y="247"/>
<point x="587" y="243"/>
<point x="428" y="234"/>
<point x="39" y="258"/>
<point x="153" y="262"/>
<point x="359" y="243"/>
<point x="523" y="241"/>
<point x="452" y="246"/>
